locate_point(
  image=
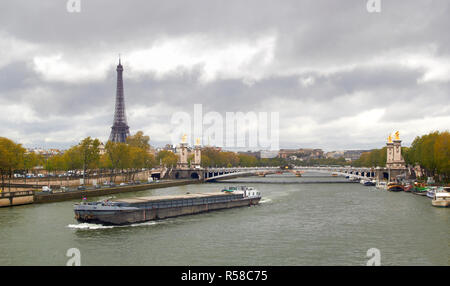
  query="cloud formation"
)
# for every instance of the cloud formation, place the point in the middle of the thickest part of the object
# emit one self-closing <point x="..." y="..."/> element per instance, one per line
<point x="339" y="77"/>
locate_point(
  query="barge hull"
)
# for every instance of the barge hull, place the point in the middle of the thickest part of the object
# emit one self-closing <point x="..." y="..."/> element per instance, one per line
<point x="142" y="215"/>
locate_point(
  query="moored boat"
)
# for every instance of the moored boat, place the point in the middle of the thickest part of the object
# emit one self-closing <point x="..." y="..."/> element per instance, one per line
<point x="419" y="192"/>
<point x="367" y="182"/>
<point x="381" y="185"/>
<point x="441" y="198"/>
<point x="431" y="191"/>
<point x="407" y="187"/>
<point x="419" y="189"/>
<point x="394" y="187"/>
<point x="140" y="209"/>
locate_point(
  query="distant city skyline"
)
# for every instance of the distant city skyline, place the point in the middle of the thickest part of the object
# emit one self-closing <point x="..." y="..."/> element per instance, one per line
<point x="340" y="78"/>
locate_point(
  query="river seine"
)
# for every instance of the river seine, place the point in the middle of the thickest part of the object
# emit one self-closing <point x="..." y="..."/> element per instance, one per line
<point x="297" y="223"/>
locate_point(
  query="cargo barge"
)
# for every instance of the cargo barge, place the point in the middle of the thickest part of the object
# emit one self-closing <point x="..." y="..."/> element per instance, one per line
<point x="141" y="209"/>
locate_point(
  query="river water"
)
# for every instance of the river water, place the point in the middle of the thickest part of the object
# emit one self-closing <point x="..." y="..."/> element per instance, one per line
<point x="295" y="224"/>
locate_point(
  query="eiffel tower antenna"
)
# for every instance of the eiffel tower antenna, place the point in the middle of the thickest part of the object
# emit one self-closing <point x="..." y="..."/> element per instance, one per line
<point x="120" y="130"/>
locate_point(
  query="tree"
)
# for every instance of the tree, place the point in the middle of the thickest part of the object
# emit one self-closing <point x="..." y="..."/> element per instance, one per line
<point x="11" y="158"/>
<point x="374" y="158"/>
<point x="90" y="154"/>
<point x="73" y="158"/>
<point x="431" y="152"/>
<point x="55" y="163"/>
<point x="105" y="161"/>
<point x="119" y="156"/>
<point x="167" y="158"/>
<point x="139" y="148"/>
<point x="427" y="156"/>
<point x="205" y="161"/>
<point x="212" y="157"/>
<point x="139" y="140"/>
<point x="150" y="161"/>
<point x="31" y="160"/>
<point x="247" y="160"/>
<point x="442" y="154"/>
<point x="138" y="158"/>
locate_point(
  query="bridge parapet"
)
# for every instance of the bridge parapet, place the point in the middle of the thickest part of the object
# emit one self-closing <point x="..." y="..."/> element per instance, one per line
<point x="360" y="172"/>
<point x="217" y="173"/>
<point x="223" y="172"/>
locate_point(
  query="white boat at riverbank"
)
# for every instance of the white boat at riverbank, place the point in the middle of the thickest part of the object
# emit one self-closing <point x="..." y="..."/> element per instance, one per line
<point x="441" y="197"/>
<point x="367" y="182"/>
<point x="381" y="185"/>
<point x="431" y="192"/>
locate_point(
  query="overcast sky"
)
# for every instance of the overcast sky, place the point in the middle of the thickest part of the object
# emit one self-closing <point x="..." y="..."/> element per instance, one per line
<point x="339" y="76"/>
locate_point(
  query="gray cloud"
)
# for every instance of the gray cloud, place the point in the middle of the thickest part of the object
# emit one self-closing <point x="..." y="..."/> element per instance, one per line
<point x="332" y="63"/>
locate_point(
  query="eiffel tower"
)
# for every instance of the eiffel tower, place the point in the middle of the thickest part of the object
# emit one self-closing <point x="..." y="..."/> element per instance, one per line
<point x="120" y="130"/>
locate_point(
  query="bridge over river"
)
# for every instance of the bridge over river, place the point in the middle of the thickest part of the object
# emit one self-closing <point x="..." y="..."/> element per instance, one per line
<point x="215" y="174"/>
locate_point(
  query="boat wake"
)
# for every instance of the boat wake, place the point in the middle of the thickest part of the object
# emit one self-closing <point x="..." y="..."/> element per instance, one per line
<point x="93" y="226"/>
<point x="89" y="226"/>
<point x="265" y="200"/>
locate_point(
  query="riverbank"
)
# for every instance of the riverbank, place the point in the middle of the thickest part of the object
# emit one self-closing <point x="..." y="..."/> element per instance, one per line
<point x="40" y="198"/>
<point x="71" y="181"/>
<point x="17" y="198"/>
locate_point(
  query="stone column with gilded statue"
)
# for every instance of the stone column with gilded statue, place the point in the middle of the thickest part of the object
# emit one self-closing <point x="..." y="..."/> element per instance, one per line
<point x="183" y="159"/>
<point x="390" y="152"/>
<point x="394" y="160"/>
<point x="197" y="154"/>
